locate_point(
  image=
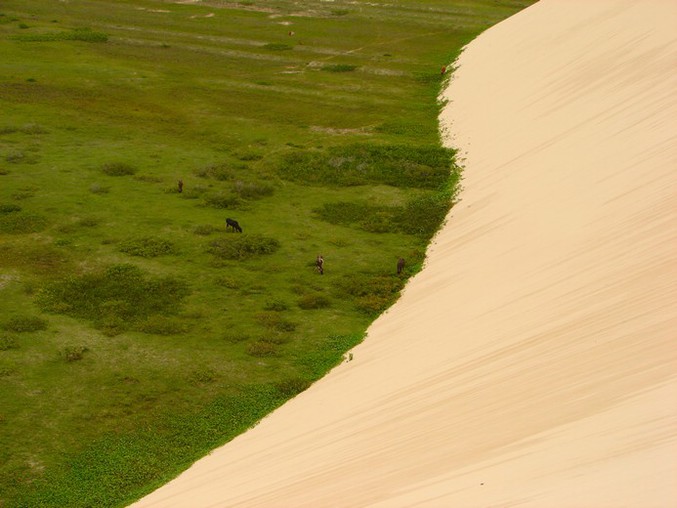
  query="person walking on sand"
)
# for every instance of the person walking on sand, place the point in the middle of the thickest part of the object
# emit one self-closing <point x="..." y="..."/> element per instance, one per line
<point x="319" y="263"/>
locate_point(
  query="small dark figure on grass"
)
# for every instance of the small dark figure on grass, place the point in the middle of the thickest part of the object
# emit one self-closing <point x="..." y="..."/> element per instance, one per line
<point x="319" y="264"/>
<point x="400" y="266"/>
<point x="233" y="224"/>
<point x="180" y="186"/>
<point x="444" y="69"/>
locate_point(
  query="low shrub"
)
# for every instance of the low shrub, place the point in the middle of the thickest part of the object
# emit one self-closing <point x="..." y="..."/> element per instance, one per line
<point x="223" y="200"/>
<point x="372" y="293"/>
<point x="313" y="301"/>
<point x="73" y="353"/>
<point x="275" y="305"/>
<point x="115" y="299"/>
<point x="261" y="349"/>
<point x="288" y="388"/>
<point x="243" y="246"/>
<point x="118" y="169"/>
<point x="96" y="188"/>
<point x="275" y="46"/>
<point x="252" y="190"/>
<point x="8" y="342"/>
<point x="216" y="171"/>
<point x="20" y="324"/>
<point x="339" y="68"/>
<point x="205" y="229"/>
<point x="9" y="208"/>
<point x="274" y="321"/>
<point x="162" y="325"/>
<point x="148" y="247"/>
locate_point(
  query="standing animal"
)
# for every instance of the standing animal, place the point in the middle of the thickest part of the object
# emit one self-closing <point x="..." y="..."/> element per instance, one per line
<point x="233" y="224"/>
<point x="400" y="266"/>
<point x="319" y="263"/>
<point x="180" y="186"/>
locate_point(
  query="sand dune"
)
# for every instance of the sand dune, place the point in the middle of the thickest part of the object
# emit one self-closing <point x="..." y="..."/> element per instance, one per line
<point x="533" y="362"/>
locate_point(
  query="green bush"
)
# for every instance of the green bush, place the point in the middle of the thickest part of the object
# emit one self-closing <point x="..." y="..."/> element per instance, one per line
<point x="243" y="246"/>
<point x="73" y="353"/>
<point x="205" y="229"/>
<point x="80" y="34"/>
<point x="313" y="301"/>
<point x="9" y="208"/>
<point x="425" y="167"/>
<point x="162" y="325"/>
<point x="252" y="190"/>
<point x="261" y="349"/>
<point x="8" y="342"/>
<point x="275" y="305"/>
<point x="21" y="324"/>
<point x="288" y="388"/>
<point x="115" y="299"/>
<point x="223" y="200"/>
<point x="274" y="321"/>
<point x="339" y="68"/>
<point x="118" y="169"/>
<point x="371" y="293"/>
<point x="148" y="247"/>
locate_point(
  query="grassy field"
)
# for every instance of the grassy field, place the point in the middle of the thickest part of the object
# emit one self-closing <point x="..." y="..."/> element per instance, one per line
<point x="136" y="333"/>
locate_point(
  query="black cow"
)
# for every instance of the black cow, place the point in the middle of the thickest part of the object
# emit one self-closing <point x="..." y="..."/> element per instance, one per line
<point x="233" y="224"/>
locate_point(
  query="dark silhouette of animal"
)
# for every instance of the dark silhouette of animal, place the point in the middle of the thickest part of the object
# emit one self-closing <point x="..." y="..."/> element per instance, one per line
<point x="233" y="224"/>
<point x="400" y="266"/>
<point x="180" y="186"/>
<point x="444" y="69"/>
<point x="319" y="263"/>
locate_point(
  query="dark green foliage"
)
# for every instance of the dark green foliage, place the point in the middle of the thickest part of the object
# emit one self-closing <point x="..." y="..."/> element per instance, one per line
<point x="73" y="353"/>
<point x="21" y="324"/>
<point x="339" y="68"/>
<point x="205" y="229"/>
<point x="426" y="167"/>
<point x="114" y="299"/>
<point x="275" y="46"/>
<point x="252" y="190"/>
<point x="82" y="34"/>
<point x="162" y="325"/>
<point x="118" y="169"/>
<point x="243" y="246"/>
<point x="8" y="342"/>
<point x="288" y="388"/>
<point x="372" y="218"/>
<point x="216" y="171"/>
<point x="223" y="200"/>
<point x="423" y="216"/>
<point x="275" y="305"/>
<point x="9" y="208"/>
<point x="372" y="293"/>
<point x="262" y="348"/>
<point x="21" y="222"/>
<point x="313" y="301"/>
<point x="274" y="321"/>
<point x="148" y="247"/>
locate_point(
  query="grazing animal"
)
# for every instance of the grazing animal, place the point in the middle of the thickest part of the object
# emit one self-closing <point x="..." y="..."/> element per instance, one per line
<point x="444" y="69"/>
<point x="180" y="186"/>
<point x="319" y="263"/>
<point x="233" y="224"/>
<point x="400" y="266"/>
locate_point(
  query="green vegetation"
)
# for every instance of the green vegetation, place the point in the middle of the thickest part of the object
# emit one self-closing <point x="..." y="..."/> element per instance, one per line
<point x="136" y="333"/>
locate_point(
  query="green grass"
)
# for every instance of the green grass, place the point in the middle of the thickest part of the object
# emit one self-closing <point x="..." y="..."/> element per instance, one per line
<point x="136" y="333"/>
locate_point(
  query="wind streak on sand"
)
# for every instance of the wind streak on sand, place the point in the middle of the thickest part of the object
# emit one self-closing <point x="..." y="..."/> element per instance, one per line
<point x="533" y="361"/>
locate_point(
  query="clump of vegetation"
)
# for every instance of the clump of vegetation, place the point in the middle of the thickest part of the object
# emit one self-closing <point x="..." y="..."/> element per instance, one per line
<point x="216" y="171"/>
<point x="97" y="188"/>
<point x="252" y="190"/>
<point x="262" y="349"/>
<point x="118" y="169"/>
<point x="148" y="247"/>
<point x="244" y="246"/>
<point x="274" y="321"/>
<point x="313" y="301"/>
<point x="73" y="353"/>
<point x="288" y="388"/>
<point x="275" y="305"/>
<point x="115" y="299"/>
<point x="425" y="167"/>
<point x="277" y="46"/>
<point x="8" y="342"/>
<point x="9" y="208"/>
<point x="205" y="229"/>
<point x="223" y="200"/>
<point x="339" y="68"/>
<point x="20" y="324"/>
<point x="79" y="34"/>
<point x="162" y="325"/>
<point x="372" y="293"/>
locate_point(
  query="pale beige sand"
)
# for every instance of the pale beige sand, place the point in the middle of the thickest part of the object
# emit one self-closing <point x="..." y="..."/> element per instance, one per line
<point x="533" y="362"/>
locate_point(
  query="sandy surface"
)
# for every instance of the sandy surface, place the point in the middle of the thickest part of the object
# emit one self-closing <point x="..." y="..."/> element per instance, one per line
<point x="533" y="362"/>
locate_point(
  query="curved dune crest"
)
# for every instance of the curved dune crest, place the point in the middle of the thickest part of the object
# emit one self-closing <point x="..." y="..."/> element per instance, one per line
<point x="533" y="362"/>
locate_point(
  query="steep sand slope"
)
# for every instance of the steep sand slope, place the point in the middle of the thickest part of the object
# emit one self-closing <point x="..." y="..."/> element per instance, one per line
<point x="533" y="362"/>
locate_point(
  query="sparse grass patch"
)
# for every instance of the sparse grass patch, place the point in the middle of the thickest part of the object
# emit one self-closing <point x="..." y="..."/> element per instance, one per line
<point x="339" y="68"/>
<point x="252" y="190"/>
<point x="262" y="349"/>
<point x="97" y="188"/>
<point x="21" y="223"/>
<point x="223" y="200"/>
<point x="205" y="229"/>
<point x="80" y="34"/>
<point x="8" y="342"/>
<point x="162" y="325"/>
<point x="277" y="46"/>
<point x="314" y="301"/>
<point x="371" y="293"/>
<point x="275" y="321"/>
